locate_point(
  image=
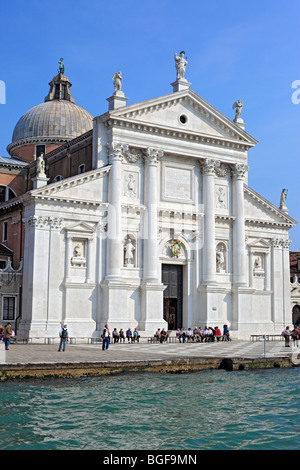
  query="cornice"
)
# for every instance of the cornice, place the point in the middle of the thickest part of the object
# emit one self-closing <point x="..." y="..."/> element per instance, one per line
<point x="129" y="115"/>
<point x="53" y="188"/>
<point x="170" y="132"/>
<point x="287" y="221"/>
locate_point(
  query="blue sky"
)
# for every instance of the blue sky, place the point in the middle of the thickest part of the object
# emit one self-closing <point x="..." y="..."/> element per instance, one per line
<point x="246" y="50"/>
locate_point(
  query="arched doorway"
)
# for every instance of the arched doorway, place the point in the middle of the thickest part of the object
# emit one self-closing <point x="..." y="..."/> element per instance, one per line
<point x="296" y="315"/>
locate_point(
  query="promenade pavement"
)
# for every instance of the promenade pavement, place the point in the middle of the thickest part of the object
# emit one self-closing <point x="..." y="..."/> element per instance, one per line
<point x="121" y="352"/>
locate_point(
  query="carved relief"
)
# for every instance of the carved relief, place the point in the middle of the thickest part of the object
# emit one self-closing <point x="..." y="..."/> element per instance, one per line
<point x="221" y="197"/>
<point x="130" y="184"/>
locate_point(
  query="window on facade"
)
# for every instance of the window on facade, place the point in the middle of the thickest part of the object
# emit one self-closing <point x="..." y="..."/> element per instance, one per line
<point x="81" y="168"/>
<point x="8" y="309"/>
<point x="2" y="264"/>
<point x="6" y="193"/>
<point x="57" y="178"/>
<point x="5" y="231"/>
<point x="63" y="92"/>
<point x="57" y="92"/>
<point x="39" y="149"/>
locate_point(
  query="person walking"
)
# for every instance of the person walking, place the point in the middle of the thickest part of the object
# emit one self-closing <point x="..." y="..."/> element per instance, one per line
<point x="64" y="335"/>
<point x="7" y="335"/>
<point x="106" y="338"/>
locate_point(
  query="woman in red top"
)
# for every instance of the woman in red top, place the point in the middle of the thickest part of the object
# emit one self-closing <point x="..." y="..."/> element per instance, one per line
<point x="218" y="333"/>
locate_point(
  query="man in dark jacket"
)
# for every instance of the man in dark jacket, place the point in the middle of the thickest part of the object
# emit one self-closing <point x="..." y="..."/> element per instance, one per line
<point x="64" y="334"/>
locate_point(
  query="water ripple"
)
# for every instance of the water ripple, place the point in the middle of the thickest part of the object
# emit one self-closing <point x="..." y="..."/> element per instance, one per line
<point x="206" y="410"/>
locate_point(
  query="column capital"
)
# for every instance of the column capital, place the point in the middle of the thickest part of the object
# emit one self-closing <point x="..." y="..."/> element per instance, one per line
<point x="239" y="171"/>
<point x="208" y="167"/>
<point x="152" y="156"/>
<point x="115" y="151"/>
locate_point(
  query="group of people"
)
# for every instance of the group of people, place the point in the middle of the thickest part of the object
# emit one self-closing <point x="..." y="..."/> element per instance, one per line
<point x="203" y="335"/>
<point x="131" y="336"/>
<point x="118" y="336"/>
<point x="6" y="334"/>
<point x="291" y="334"/>
<point x="161" y="335"/>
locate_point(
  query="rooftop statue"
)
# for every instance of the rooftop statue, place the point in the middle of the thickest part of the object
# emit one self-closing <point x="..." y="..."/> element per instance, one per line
<point x="238" y="106"/>
<point x="117" y="77"/>
<point x="40" y="167"/>
<point x="180" y="65"/>
<point x="61" y="66"/>
<point x="283" y="197"/>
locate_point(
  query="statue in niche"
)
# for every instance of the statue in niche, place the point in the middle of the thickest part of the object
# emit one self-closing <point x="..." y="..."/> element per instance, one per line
<point x="77" y="250"/>
<point x="40" y="166"/>
<point x="238" y="106"/>
<point x="129" y="252"/>
<point x="78" y="258"/>
<point x="180" y="65"/>
<point x="117" y="77"/>
<point x="257" y="262"/>
<point x="220" y="261"/>
<point x="282" y="204"/>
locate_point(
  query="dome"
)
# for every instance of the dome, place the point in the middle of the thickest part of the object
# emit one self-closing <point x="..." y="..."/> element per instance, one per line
<point x="55" y="121"/>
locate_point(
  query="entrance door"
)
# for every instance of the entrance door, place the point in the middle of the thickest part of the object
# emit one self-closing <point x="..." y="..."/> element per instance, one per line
<point x="172" y="278"/>
<point x="296" y="315"/>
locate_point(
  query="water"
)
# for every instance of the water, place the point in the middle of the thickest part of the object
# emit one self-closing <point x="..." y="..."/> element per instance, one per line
<point x="204" y="410"/>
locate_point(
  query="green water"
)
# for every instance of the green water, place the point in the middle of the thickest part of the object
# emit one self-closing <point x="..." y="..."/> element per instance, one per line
<point x="205" y="410"/>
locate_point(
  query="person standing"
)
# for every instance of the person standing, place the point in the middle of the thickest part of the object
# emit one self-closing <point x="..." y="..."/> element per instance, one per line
<point x="106" y="338"/>
<point x="7" y="335"/>
<point x="226" y="334"/>
<point x="64" y="335"/>
<point x="286" y="334"/>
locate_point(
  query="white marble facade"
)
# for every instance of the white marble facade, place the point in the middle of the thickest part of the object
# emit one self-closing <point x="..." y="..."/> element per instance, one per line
<point x="168" y="169"/>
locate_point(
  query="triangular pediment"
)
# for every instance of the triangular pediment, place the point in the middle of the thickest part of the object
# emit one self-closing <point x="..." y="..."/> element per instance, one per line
<point x="184" y="112"/>
<point x="82" y="188"/>
<point x="259" y="243"/>
<point x="260" y="211"/>
<point x="80" y="228"/>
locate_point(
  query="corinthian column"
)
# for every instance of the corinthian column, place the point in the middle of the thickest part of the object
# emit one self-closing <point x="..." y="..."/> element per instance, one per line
<point x="209" y="249"/>
<point x="114" y="235"/>
<point x="152" y="288"/>
<point x="239" y="250"/>
<point x="150" y="232"/>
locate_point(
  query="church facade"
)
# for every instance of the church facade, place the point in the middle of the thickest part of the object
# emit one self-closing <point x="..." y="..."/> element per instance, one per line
<point x="162" y="232"/>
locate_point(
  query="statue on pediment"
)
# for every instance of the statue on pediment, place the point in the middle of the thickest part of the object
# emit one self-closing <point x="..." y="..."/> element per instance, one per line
<point x="282" y="204"/>
<point x="180" y="65"/>
<point x="117" y="77"/>
<point x="40" y="166"/>
<point x="238" y="106"/>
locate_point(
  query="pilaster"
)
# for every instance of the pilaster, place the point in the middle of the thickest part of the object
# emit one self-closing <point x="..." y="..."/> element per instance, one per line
<point x="209" y="248"/>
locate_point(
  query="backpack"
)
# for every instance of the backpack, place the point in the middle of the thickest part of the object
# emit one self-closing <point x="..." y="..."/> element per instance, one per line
<point x="64" y="333"/>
